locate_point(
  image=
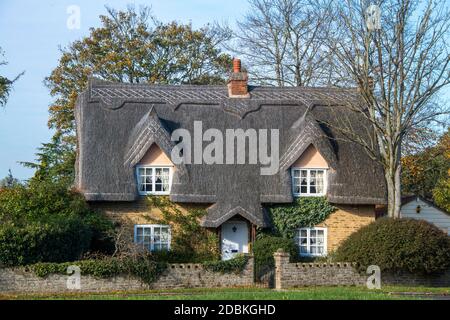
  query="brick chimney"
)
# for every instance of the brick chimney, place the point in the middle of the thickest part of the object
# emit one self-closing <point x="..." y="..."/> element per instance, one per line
<point x="237" y="85"/>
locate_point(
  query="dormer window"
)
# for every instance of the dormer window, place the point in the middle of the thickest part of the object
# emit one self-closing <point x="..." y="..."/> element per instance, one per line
<point x="309" y="182"/>
<point x="309" y="174"/>
<point x="154" y="172"/>
<point x="154" y="179"/>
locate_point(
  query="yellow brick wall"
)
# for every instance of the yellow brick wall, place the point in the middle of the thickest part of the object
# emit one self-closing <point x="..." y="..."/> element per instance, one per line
<point x="346" y="220"/>
<point x="340" y="224"/>
<point x="127" y="214"/>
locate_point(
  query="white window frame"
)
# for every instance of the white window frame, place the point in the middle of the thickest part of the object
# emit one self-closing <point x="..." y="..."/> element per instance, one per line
<point x="143" y="193"/>
<point x="152" y="232"/>
<point x="308" y="181"/>
<point x="308" y="244"/>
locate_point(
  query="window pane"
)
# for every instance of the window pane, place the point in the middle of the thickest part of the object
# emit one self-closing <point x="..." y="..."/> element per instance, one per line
<point x="319" y="189"/>
<point x="312" y="233"/>
<point x="166" y="183"/>
<point x="164" y="234"/>
<point x="146" y="240"/>
<point x="313" y="250"/>
<point x="296" y="173"/>
<point x="304" y="189"/>
<point x="303" y="249"/>
<point x="320" y="181"/>
<point x="313" y="174"/>
<point x="157" y="235"/>
<point x="312" y="189"/>
<point x="320" y="174"/>
<point x="158" y="187"/>
<point x="303" y="233"/>
<point x="139" y="231"/>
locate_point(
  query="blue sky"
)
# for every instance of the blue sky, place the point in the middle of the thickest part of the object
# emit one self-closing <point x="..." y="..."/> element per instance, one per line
<point x="31" y="33"/>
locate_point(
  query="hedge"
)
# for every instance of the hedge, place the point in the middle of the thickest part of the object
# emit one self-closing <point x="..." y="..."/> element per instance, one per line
<point x="235" y="265"/>
<point x="265" y="247"/>
<point x="56" y="240"/>
<point x="143" y="267"/>
<point x="408" y="245"/>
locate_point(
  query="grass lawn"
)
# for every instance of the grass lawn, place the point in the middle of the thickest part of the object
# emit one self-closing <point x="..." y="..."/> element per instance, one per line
<point x="308" y="293"/>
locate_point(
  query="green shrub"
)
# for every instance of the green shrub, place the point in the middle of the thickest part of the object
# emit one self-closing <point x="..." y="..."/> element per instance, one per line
<point x="142" y="266"/>
<point x="56" y="240"/>
<point x="398" y="245"/>
<point x="265" y="247"/>
<point x="46" y="222"/>
<point x="235" y="265"/>
<point x="303" y="212"/>
<point x="102" y="233"/>
<point x="40" y="201"/>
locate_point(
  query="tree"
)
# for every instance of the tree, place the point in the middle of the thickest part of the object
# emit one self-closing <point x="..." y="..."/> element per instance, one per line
<point x="441" y="192"/>
<point x="132" y="46"/>
<point x="399" y="68"/>
<point x="423" y="171"/>
<point x="5" y="83"/>
<point x="55" y="163"/>
<point x="9" y="181"/>
<point x="283" y="42"/>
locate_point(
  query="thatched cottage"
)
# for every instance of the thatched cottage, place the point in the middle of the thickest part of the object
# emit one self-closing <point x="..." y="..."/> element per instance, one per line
<point x="126" y="137"/>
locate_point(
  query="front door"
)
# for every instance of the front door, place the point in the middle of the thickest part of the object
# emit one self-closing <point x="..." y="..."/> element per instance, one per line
<point x="234" y="239"/>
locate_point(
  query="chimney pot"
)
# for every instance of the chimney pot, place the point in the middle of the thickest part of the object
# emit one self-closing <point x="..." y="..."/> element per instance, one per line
<point x="236" y="65"/>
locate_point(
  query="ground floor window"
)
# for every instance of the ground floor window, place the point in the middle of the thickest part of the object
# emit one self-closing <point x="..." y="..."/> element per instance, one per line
<point x="153" y="237"/>
<point x="312" y="241"/>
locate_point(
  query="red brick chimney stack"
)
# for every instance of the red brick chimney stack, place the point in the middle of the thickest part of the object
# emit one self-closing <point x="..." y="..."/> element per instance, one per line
<point x="237" y="85"/>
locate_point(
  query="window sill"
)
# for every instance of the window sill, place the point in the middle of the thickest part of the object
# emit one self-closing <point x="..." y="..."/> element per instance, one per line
<point x="154" y="193"/>
<point x="307" y="255"/>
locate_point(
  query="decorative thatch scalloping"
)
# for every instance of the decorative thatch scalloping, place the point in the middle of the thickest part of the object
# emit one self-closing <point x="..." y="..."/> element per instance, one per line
<point x="148" y="131"/>
<point x="111" y="117"/>
<point x="307" y="132"/>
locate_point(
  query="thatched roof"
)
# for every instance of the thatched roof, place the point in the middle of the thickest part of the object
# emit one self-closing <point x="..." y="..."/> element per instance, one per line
<point x="117" y="123"/>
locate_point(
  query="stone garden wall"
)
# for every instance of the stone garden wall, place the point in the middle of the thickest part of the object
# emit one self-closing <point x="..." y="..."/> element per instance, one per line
<point x="290" y="275"/>
<point x="175" y="276"/>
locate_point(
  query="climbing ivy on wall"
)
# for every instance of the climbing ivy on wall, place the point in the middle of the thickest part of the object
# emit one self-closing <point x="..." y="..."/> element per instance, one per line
<point x="190" y="242"/>
<point x="303" y="212"/>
